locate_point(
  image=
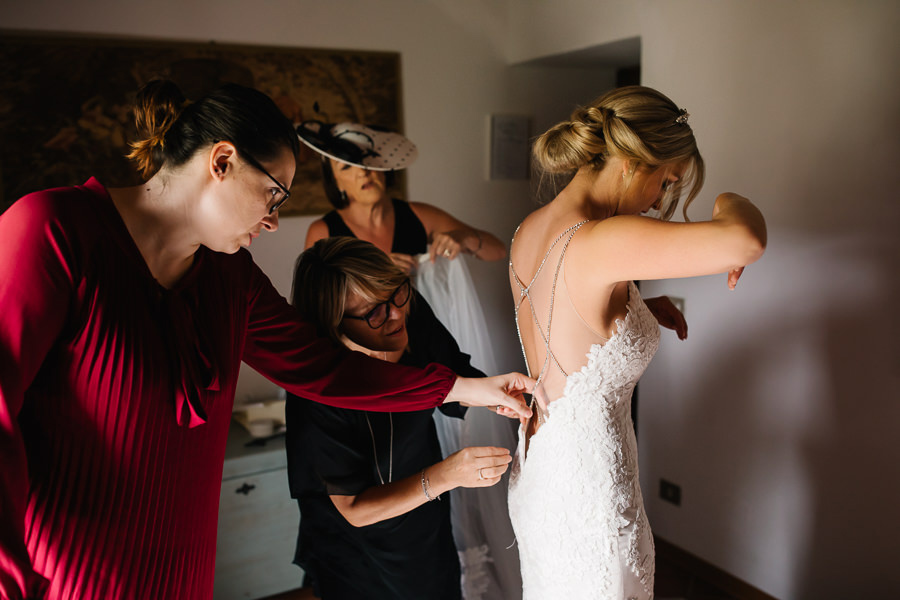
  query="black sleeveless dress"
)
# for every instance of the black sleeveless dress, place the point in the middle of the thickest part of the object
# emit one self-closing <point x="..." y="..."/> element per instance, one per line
<point x="410" y="236"/>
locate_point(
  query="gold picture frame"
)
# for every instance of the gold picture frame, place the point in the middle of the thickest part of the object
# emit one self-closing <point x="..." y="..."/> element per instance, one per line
<point x="65" y="103"/>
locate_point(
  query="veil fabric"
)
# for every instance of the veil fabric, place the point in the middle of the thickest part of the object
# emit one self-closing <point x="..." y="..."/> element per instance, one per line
<point x="481" y="528"/>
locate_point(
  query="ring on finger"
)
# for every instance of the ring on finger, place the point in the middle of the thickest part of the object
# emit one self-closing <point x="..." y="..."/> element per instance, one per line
<point x="447" y="252"/>
<point x="480" y="474"/>
<point x="497" y="408"/>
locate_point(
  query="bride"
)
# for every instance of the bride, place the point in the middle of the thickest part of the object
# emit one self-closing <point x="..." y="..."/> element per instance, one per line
<point x="587" y="336"/>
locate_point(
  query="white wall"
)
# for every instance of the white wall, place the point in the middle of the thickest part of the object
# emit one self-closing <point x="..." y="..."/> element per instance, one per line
<point x="778" y="417"/>
<point x="788" y="390"/>
<point x="538" y="28"/>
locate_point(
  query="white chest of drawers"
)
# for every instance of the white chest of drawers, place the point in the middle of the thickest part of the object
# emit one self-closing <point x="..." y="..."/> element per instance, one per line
<point x="258" y="522"/>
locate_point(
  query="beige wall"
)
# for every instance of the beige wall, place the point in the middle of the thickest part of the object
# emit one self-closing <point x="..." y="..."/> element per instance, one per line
<point x="540" y="28"/>
<point x="778" y="416"/>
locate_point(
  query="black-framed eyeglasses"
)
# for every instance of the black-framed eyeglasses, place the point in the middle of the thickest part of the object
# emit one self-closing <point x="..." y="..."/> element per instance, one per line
<point x="376" y="317"/>
<point x="279" y="196"/>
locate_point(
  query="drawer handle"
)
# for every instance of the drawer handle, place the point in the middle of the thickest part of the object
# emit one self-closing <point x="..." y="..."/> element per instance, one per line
<point x="245" y="489"/>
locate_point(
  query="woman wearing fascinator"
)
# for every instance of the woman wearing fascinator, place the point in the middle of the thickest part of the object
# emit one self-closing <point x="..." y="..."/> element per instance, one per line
<point x="574" y="494"/>
<point x="357" y="163"/>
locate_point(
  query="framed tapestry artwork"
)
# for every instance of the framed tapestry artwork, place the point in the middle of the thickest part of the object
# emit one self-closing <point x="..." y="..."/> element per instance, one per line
<point x="65" y="103"/>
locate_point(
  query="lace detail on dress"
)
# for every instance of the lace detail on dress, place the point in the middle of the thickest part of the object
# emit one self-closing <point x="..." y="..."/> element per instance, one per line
<point x="575" y="502"/>
<point x="611" y="373"/>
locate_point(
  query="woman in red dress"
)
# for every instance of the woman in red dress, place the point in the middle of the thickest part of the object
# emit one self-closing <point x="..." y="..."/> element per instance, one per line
<point x="124" y="317"/>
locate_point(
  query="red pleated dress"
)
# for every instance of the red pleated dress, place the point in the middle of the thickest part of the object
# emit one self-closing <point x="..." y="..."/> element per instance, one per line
<point x="116" y="396"/>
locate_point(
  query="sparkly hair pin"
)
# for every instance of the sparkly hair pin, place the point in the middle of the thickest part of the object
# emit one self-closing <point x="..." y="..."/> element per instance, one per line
<point x="682" y="118"/>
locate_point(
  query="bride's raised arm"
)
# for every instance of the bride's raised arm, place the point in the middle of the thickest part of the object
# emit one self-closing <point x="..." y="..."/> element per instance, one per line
<point x="633" y="247"/>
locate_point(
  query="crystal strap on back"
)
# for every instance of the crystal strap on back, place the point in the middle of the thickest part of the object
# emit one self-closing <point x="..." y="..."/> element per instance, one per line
<point x="525" y="292"/>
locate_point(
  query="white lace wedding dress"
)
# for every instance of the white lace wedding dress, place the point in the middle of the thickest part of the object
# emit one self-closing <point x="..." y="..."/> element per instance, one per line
<point x="574" y="499"/>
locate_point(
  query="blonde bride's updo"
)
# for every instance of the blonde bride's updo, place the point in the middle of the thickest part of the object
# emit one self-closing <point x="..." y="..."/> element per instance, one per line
<point x="635" y="123"/>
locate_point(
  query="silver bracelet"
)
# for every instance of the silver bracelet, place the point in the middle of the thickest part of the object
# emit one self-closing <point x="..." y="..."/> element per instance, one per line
<point x="426" y="488"/>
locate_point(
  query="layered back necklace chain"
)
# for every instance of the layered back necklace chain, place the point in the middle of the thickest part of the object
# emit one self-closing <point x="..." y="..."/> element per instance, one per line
<point x="391" y="451"/>
<point x="391" y="447"/>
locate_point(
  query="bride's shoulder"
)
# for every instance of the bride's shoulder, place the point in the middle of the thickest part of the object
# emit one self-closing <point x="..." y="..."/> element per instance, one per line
<point x="527" y="233"/>
<point x="530" y="222"/>
<point x="615" y="229"/>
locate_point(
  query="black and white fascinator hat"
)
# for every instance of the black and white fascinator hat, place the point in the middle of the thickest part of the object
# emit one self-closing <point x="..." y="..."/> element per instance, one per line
<point x="358" y="145"/>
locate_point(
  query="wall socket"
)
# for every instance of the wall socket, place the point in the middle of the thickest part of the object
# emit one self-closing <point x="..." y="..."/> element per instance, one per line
<point x="670" y="492"/>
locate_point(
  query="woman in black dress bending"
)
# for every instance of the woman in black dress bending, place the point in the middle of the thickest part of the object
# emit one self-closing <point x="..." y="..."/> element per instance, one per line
<point x="375" y="516"/>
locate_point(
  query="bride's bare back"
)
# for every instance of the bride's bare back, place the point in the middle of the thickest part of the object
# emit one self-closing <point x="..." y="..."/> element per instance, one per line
<point x="551" y="305"/>
<point x="587" y="335"/>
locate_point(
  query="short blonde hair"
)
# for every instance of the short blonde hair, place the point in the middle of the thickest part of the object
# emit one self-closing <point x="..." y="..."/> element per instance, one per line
<point x="329" y="270"/>
<point x="635" y="123"/>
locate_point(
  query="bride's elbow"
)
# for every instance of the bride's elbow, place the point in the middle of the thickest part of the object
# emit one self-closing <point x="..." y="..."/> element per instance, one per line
<point x="756" y="252"/>
<point x="752" y="244"/>
<point x="745" y="227"/>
